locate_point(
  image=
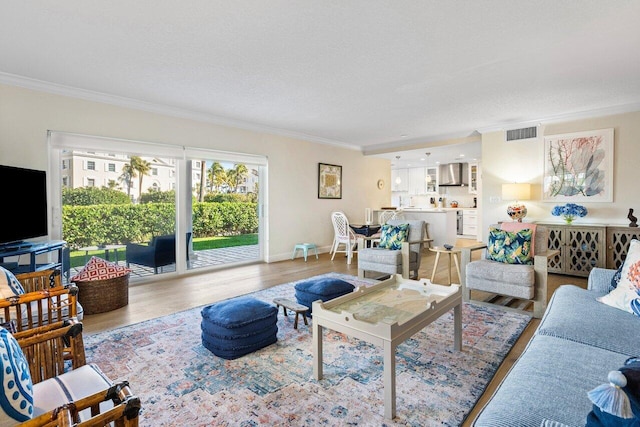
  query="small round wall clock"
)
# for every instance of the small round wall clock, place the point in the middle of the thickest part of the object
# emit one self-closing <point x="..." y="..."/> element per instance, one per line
<point x="380" y="184"/>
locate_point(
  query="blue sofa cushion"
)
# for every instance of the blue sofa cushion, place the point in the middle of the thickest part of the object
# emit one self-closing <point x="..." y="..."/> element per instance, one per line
<point x="238" y="317"/>
<point x="550" y="380"/>
<point x="574" y="314"/>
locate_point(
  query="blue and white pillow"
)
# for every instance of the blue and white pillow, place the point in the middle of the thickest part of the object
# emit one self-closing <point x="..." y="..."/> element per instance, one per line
<point x="510" y="247"/>
<point x="9" y="285"/>
<point x="392" y="236"/>
<point x="16" y="401"/>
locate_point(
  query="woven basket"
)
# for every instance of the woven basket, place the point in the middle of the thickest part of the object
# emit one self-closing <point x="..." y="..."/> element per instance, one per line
<point x="99" y="296"/>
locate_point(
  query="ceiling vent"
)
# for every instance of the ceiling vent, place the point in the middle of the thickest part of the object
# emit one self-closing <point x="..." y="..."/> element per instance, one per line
<point x="522" y="134"/>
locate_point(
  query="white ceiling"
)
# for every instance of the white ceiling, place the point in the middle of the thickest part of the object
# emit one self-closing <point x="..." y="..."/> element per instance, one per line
<point x="367" y="74"/>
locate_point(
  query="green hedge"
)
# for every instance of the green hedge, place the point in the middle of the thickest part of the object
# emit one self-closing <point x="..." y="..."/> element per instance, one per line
<point x="119" y="224"/>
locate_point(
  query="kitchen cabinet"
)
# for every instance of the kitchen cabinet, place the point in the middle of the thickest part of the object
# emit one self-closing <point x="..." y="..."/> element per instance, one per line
<point x="582" y="247"/>
<point x="432" y="185"/>
<point x="417" y="182"/>
<point x="413" y="180"/>
<point x="469" y="222"/>
<point x="403" y="185"/>
<point x="473" y="178"/>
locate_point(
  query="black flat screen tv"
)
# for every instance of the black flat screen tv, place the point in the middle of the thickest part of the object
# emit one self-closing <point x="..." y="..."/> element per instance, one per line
<point x="24" y="205"/>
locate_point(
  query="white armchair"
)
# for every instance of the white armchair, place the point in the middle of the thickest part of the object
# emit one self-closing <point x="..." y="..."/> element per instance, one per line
<point x="513" y="286"/>
<point x="387" y="261"/>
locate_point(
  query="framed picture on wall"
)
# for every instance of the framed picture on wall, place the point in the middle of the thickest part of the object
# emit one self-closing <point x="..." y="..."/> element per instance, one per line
<point x="329" y="181"/>
<point x="578" y="167"/>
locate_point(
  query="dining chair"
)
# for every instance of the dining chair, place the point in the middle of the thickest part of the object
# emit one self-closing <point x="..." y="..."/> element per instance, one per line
<point x="342" y="235"/>
<point x="383" y="217"/>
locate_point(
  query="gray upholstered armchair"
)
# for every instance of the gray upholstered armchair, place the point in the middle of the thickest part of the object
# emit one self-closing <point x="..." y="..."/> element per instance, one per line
<point x="388" y="261"/>
<point x="513" y="286"/>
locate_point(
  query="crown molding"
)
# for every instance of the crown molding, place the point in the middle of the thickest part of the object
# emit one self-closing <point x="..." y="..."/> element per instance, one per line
<point x="580" y="115"/>
<point x="120" y="101"/>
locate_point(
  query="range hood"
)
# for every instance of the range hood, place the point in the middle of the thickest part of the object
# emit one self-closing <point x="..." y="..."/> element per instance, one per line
<point x="453" y="175"/>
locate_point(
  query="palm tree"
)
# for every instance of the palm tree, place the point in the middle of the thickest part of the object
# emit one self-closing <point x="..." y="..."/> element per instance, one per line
<point x="231" y="180"/>
<point x="240" y="174"/>
<point x="128" y="173"/>
<point x="142" y="167"/>
<point x="112" y="185"/>
<point x="217" y="175"/>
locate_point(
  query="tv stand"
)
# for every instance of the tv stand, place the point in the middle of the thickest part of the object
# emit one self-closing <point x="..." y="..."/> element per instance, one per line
<point x="14" y="246"/>
<point x="33" y="249"/>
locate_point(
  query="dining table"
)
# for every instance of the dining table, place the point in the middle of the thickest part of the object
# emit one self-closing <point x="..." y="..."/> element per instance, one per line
<point x="366" y="230"/>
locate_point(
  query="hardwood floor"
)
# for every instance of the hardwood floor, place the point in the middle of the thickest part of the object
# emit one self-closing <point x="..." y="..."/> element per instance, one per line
<point x="166" y="296"/>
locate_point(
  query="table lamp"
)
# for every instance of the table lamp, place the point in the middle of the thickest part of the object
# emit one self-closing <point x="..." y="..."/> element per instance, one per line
<point x="516" y="193"/>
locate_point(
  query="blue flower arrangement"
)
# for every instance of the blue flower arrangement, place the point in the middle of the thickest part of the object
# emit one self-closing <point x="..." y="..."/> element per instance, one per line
<point x="569" y="211"/>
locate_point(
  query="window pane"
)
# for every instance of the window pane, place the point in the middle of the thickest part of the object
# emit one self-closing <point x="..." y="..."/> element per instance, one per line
<point x="224" y="217"/>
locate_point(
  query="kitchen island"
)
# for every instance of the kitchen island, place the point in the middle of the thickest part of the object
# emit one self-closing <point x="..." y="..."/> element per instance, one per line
<point x="442" y="222"/>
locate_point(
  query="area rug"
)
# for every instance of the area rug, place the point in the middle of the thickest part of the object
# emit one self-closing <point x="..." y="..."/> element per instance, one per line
<point x="181" y="383"/>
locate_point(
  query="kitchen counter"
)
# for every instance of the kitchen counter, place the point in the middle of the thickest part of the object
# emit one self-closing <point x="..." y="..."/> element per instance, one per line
<point x="442" y="222"/>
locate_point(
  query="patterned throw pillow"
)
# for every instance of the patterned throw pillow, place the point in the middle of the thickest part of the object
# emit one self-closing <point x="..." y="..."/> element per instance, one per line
<point x="16" y="401"/>
<point x="100" y="269"/>
<point x="510" y="247"/>
<point x="9" y="285"/>
<point x="392" y="236"/>
<point x="626" y="296"/>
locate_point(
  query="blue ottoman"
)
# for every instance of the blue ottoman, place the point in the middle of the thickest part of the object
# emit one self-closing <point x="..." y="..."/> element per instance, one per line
<point x="323" y="289"/>
<point x="239" y="326"/>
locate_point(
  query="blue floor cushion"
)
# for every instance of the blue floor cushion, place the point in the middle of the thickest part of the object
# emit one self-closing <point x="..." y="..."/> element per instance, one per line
<point x="324" y="289"/>
<point x="239" y="326"/>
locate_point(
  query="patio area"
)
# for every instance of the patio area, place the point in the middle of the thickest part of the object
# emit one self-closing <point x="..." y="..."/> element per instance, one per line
<point x="198" y="259"/>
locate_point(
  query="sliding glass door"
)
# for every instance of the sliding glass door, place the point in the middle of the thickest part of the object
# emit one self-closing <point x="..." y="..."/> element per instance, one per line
<point x="160" y="209"/>
<point x="224" y="223"/>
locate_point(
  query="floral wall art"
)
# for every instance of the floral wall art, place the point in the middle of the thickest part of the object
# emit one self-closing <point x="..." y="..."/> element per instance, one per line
<point x="578" y="167"/>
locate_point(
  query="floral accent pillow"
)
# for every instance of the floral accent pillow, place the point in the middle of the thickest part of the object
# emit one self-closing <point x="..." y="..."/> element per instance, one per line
<point x="510" y="247"/>
<point x="626" y="296"/>
<point x="392" y="236"/>
<point x="616" y="278"/>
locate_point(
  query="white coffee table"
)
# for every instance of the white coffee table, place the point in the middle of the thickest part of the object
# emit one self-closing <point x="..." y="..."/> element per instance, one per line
<point x="386" y="314"/>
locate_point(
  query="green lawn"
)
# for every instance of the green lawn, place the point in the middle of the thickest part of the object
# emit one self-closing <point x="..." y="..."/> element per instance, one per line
<point x="199" y="244"/>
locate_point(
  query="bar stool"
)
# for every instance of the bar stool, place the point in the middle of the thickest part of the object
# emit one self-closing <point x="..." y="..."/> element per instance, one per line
<point x="452" y="252"/>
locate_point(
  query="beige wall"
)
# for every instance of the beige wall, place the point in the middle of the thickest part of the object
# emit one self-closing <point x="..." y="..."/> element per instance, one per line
<point x="295" y="213"/>
<point x="523" y="162"/>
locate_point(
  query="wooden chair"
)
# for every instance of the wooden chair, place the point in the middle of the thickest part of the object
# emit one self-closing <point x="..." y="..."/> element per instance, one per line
<point x="98" y="401"/>
<point x="49" y="348"/>
<point x="45" y="302"/>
